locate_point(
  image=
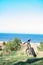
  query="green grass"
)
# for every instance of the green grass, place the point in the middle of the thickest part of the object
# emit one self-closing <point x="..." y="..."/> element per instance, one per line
<point x="15" y="59"/>
<point x="40" y="48"/>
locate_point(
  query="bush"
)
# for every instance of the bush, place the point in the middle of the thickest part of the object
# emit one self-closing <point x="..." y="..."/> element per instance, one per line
<point x="13" y="45"/>
<point x="4" y="43"/>
<point x="8" y="46"/>
<point x="16" y="43"/>
<point x="41" y="46"/>
<point x="0" y="48"/>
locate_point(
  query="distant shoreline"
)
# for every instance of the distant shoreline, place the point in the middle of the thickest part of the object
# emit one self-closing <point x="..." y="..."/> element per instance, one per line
<point x="23" y="42"/>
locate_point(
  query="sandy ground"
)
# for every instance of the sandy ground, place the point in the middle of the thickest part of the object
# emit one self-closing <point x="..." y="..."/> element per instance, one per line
<point x="34" y="46"/>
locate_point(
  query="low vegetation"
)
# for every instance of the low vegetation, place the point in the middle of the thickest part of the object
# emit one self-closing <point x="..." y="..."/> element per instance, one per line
<point x="13" y="45"/>
<point x="15" y="59"/>
<point x="11" y="55"/>
<point x="40" y="48"/>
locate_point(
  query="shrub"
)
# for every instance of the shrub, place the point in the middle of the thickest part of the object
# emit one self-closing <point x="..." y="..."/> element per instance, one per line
<point x="0" y="48"/>
<point x="16" y="43"/>
<point x="13" y="45"/>
<point x="41" y="46"/>
<point x="4" y="43"/>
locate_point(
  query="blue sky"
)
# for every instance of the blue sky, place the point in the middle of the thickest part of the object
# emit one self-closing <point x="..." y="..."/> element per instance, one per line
<point x="21" y="16"/>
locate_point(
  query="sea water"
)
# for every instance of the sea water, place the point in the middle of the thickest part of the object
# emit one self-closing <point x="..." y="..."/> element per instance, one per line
<point x="24" y="37"/>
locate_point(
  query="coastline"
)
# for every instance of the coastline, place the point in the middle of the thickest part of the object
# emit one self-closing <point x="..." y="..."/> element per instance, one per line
<point x="32" y="43"/>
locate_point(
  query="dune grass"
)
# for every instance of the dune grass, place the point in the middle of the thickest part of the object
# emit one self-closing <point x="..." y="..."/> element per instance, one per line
<point x="20" y="59"/>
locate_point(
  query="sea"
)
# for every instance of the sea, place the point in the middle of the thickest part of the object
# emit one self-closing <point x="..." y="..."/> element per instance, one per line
<point x="36" y="38"/>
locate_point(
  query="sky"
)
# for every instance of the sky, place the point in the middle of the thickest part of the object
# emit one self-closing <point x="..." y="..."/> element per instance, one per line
<point x="21" y="16"/>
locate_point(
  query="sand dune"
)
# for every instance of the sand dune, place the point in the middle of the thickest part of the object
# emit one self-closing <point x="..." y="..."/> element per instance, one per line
<point x="34" y="46"/>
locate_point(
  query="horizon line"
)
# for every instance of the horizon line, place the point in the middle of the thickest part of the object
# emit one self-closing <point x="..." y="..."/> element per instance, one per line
<point x="18" y="33"/>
